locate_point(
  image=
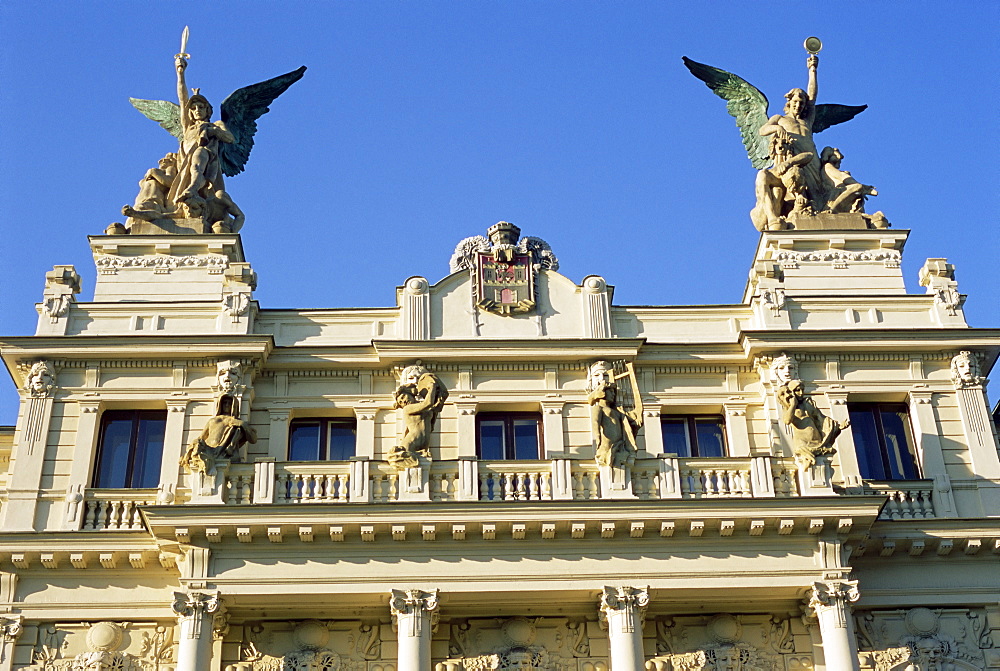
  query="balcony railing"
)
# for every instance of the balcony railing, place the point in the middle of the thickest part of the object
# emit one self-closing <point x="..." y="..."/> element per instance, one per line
<point x="115" y="509"/>
<point x="365" y="481"/>
<point x="908" y="499"/>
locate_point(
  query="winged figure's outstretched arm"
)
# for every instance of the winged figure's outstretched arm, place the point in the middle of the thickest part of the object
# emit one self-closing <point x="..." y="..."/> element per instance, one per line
<point x="745" y="103"/>
<point x="240" y="112"/>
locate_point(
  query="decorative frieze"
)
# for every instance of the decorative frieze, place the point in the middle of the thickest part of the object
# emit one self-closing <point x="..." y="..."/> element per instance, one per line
<point x="924" y="638"/>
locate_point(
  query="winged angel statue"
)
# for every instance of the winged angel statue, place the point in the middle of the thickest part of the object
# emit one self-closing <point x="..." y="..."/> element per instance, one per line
<point x="189" y="184"/>
<point x="794" y="180"/>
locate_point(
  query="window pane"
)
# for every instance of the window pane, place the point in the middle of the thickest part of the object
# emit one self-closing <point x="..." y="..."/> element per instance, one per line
<point x="525" y="439"/>
<point x="675" y="436"/>
<point x="341" y="442"/>
<point x="148" y="452"/>
<point x="866" y="444"/>
<point x="303" y="442"/>
<point x="899" y="449"/>
<point x="711" y="437"/>
<point x="491" y="439"/>
<point x="112" y="467"/>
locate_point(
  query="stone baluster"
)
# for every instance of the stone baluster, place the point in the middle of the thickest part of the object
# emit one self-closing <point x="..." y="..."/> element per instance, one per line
<point x="831" y="600"/>
<point x="195" y="611"/>
<point x="414" y="614"/>
<point x="622" y="612"/>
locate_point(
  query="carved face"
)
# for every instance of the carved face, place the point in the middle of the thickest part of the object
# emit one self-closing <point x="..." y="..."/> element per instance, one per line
<point x="784" y="369"/>
<point x="229" y="377"/>
<point x="796" y="105"/>
<point x="411" y="374"/>
<point x="728" y="659"/>
<point x="40" y="379"/>
<point x="200" y="111"/>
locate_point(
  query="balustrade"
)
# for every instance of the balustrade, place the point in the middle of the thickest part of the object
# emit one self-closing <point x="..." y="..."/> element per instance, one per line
<point x="368" y="481"/>
<point x="909" y="500"/>
<point x="115" y="509"/>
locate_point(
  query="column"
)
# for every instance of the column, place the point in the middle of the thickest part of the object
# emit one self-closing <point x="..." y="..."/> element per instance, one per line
<point x="195" y="612"/>
<point x="173" y="446"/>
<point x="10" y="630"/>
<point x="414" y="614"/>
<point x="652" y="433"/>
<point x="737" y="432"/>
<point x="850" y="470"/>
<point x="622" y="612"/>
<point x="831" y="600"/>
<point x="924" y="423"/>
<point x="466" y="427"/>
<point x="81" y="468"/>
<point x="553" y="436"/>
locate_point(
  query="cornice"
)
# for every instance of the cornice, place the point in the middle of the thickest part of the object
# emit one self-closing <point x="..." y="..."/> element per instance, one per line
<point x="503" y="349"/>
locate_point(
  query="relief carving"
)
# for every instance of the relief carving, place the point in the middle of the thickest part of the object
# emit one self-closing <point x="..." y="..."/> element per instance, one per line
<point x="517" y="643"/>
<point x="920" y="639"/>
<point x="103" y="646"/>
<point x="726" y="642"/>
<point x="310" y="645"/>
<point x="965" y="370"/>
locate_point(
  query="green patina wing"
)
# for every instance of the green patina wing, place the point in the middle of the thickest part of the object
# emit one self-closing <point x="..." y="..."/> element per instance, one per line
<point x="240" y="112"/>
<point x="745" y="103"/>
<point x="830" y="114"/>
<point x="163" y="112"/>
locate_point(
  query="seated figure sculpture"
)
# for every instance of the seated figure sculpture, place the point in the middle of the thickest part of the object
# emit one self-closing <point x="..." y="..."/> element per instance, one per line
<point x="614" y="427"/>
<point x="221" y="439"/>
<point x="843" y="192"/>
<point x="813" y="433"/>
<point x="420" y="396"/>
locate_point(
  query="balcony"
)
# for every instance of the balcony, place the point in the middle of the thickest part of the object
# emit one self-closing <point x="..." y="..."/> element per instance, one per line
<point x="908" y="499"/>
<point x="486" y="482"/>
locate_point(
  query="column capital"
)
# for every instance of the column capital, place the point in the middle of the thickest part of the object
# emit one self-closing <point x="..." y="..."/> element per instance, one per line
<point x="415" y="605"/>
<point x="412" y="601"/>
<point x="834" y="593"/>
<point x="627" y="601"/>
<point x="195" y="604"/>
<point x="10" y="628"/>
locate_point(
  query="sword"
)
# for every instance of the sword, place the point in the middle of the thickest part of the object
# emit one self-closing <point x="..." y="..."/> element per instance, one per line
<point x="184" y="44"/>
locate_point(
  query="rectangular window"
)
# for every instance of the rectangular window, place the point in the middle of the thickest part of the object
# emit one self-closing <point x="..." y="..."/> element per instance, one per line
<point x="694" y="435"/>
<point x="506" y="436"/>
<point x="322" y="439"/>
<point x="883" y="442"/>
<point x="130" y="449"/>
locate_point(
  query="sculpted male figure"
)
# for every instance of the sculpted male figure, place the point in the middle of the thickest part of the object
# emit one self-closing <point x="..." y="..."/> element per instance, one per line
<point x="151" y="203"/>
<point x="222" y="438"/>
<point x="614" y="428"/>
<point x="420" y="396"/>
<point x="843" y="192"/>
<point x="199" y="173"/>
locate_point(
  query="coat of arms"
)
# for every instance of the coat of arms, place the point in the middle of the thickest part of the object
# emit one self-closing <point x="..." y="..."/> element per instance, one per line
<point x="503" y="268"/>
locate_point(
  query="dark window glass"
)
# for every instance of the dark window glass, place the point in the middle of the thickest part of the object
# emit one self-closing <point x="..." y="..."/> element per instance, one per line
<point x="694" y="435"/>
<point x="882" y="441"/>
<point x="505" y="436"/>
<point x="322" y="439"/>
<point x="130" y="449"/>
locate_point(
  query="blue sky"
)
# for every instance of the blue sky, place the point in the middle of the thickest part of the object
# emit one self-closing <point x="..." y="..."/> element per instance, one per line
<point x="420" y="123"/>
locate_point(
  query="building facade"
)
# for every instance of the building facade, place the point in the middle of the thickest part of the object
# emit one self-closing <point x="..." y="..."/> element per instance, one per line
<point x="505" y="470"/>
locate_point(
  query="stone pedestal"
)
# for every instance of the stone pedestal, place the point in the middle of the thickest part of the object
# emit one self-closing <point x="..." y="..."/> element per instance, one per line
<point x="414" y="614"/>
<point x="151" y="268"/>
<point x="824" y="263"/>
<point x="622" y="613"/>
<point x="616" y="482"/>
<point x="414" y="484"/>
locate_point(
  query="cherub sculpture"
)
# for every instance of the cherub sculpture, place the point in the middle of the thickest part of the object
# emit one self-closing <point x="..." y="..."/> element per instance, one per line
<point x="208" y="150"/>
<point x="791" y="180"/>
<point x="420" y="396"/>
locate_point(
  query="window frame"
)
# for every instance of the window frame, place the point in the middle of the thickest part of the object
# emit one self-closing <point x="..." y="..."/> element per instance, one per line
<point x="510" y="447"/>
<point x="136" y="416"/>
<point x="876" y="409"/>
<point x="691" y="433"/>
<point x="325" y="424"/>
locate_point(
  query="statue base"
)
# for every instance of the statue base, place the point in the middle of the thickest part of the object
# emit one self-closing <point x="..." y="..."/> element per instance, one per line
<point x="167" y="227"/>
<point x="414" y="482"/>
<point x="151" y="268"/>
<point x="828" y="221"/>
<point x="616" y="482"/>
<point x="817" y="479"/>
<point x="209" y="488"/>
